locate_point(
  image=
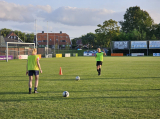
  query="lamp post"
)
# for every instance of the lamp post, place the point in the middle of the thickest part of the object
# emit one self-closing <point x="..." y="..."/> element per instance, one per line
<point x="47" y="39"/>
<point x="58" y="40"/>
<point x="54" y="45"/>
<point x="36" y="32"/>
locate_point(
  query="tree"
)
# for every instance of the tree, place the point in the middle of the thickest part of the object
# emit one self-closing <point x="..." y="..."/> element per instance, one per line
<point x="5" y="32"/>
<point x="153" y="37"/>
<point x="155" y="30"/>
<point x="30" y="37"/>
<point x="74" y="42"/>
<point x="121" y="37"/>
<point x="158" y="31"/>
<point x="135" y="18"/>
<point x="106" y="32"/>
<point x="89" y="38"/>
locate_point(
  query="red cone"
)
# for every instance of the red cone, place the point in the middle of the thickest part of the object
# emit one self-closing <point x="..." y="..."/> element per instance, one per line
<point x="60" y="71"/>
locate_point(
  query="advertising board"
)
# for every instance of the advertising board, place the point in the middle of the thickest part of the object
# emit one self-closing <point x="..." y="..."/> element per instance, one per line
<point x="120" y="44"/>
<point x="58" y="55"/>
<point x="156" y="54"/>
<point x="22" y="56"/>
<point x="67" y="55"/>
<point x="154" y="44"/>
<point x="3" y="57"/>
<point x="87" y="54"/>
<point x="75" y="54"/>
<point x="138" y="44"/>
<point x="137" y="54"/>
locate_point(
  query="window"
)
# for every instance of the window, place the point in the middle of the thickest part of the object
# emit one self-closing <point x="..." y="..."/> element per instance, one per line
<point x="66" y="36"/>
<point x="14" y="37"/>
<point x="39" y="41"/>
<point x="11" y="37"/>
<point x="63" y="40"/>
<point x="57" y="39"/>
<point x="39" y="37"/>
<point x="44" y="36"/>
<point x="50" y="39"/>
<point x="61" y="36"/>
<point x="44" y="40"/>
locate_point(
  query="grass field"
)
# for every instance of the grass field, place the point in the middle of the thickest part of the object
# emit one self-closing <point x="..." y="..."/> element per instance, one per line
<point x="129" y="88"/>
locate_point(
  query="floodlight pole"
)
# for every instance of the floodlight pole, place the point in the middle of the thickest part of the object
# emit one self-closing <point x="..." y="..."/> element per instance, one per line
<point x="47" y="38"/>
<point x="36" y="33"/>
<point x="54" y="45"/>
<point x="58" y="40"/>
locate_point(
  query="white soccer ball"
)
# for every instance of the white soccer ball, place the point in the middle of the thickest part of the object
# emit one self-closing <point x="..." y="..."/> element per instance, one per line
<point x="65" y="94"/>
<point x="77" y="78"/>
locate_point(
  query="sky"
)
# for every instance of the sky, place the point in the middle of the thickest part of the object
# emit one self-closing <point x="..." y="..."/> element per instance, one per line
<point x="74" y="17"/>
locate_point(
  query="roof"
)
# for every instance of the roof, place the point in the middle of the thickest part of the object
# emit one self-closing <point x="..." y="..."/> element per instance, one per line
<point x="12" y="40"/>
<point x="11" y="34"/>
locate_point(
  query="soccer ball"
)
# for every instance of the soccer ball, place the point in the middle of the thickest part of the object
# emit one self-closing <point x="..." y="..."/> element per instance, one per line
<point x="65" y="94"/>
<point x="77" y="78"/>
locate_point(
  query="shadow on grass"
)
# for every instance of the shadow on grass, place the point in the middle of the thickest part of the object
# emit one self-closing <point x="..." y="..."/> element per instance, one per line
<point x="59" y="98"/>
<point x="113" y="90"/>
<point x="73" y="79"/>
<point x="6" y="93"/>
<point x="13" y="76"/>
<point x="121" y="78"/>
<point x="58" y="92"/>
<point x="58" y="80"/>
<point x="99" y="78"/>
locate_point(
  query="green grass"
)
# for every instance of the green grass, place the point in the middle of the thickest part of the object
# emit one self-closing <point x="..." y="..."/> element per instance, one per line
<point x="129" y="88"/>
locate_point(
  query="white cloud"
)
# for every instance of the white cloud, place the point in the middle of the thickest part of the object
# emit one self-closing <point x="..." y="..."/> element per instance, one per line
<point x="81" y="16"/>
<point x="65" y="15"/>
<point x="20" y="13"/>
<point x="46" y="8"/>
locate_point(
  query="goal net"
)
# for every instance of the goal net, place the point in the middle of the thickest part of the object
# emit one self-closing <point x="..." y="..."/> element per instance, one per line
<point x="17" y="49"/>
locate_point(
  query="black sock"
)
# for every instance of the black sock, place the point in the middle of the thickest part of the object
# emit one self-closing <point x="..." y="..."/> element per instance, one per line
<point x="99" y="70"/>
<point x="30" y="90"/>
<point x="35" y="88"/>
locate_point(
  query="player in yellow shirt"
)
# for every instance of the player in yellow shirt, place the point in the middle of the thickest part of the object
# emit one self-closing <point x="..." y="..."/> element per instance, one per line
<point x="32" y="68"/>
<point x="99" y="59"/>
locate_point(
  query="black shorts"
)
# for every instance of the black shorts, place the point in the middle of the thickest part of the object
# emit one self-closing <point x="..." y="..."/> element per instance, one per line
<point x="99" y="63"/>
<point x="31" y="72"/>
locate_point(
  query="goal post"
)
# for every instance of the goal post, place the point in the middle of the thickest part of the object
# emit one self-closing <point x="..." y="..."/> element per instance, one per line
<point x="19" y="44"/>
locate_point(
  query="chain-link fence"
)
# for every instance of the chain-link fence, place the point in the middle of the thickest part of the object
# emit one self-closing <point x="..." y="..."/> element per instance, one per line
<point x="2" y="46"/>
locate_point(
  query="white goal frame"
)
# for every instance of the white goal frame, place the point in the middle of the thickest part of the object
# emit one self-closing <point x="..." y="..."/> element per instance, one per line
<point x="14" y="43"/>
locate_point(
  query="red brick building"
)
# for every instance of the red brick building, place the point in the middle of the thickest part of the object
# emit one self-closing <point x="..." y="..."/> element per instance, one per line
<point x="54" y="39"/>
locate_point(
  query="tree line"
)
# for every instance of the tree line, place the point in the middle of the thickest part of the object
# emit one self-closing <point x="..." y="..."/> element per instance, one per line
<point x="25" y="37"/>
<point x="137" y="25"/>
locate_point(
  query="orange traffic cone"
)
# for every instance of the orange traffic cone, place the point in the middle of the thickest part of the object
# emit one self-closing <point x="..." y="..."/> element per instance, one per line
<point x="60" y="71"/>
